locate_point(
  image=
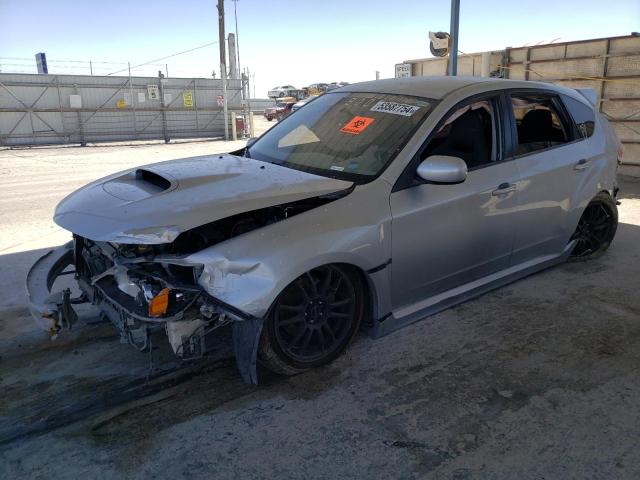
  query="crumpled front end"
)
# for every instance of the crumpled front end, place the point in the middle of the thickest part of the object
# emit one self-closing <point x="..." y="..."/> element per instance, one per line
<point x="141" y="252"/>
<point x="141" y="289"/>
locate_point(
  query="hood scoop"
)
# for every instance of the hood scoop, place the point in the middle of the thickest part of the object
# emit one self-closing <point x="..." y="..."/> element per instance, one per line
<point x="138" y="185"/>
<point x="153" y="178"/>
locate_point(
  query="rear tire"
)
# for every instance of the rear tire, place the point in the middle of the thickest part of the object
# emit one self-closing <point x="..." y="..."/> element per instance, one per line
<point x="313" y="320"/>
<point x="596" y="228"/>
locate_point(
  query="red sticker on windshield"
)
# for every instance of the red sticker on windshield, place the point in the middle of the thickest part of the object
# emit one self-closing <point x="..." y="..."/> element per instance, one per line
<point x="357" y="125"/>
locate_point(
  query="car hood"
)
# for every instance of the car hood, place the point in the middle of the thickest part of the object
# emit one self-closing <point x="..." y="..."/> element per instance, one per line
<point x="155" y="203"/>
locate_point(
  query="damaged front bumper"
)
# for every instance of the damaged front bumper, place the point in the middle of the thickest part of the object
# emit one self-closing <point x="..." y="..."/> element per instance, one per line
<point x="123" y="292"/>
<point x="50" y="309"/>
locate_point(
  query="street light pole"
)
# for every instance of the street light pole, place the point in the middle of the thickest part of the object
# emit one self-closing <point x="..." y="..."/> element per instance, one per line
<point x="453" y="32"/>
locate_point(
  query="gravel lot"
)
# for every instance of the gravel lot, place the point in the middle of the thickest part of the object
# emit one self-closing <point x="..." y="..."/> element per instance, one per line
<point x="539" y="379"/>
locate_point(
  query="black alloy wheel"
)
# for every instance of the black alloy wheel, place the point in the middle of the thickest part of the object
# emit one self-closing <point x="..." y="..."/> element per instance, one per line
<point x="313" y="320"/>
<point x="596" y="228"/>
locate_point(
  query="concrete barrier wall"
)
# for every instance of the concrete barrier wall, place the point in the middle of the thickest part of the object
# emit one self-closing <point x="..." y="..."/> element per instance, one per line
<point x="258" y="105"/>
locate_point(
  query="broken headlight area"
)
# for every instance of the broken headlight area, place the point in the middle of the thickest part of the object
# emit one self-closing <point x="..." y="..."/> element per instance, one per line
<point x="141" y="294"/>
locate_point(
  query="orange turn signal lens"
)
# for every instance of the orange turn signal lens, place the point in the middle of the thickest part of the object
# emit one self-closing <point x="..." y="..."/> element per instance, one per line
<point x="159" y="304"/>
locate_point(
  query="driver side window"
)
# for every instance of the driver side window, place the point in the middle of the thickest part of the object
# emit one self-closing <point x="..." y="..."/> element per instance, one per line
<point x="468" y="133"/>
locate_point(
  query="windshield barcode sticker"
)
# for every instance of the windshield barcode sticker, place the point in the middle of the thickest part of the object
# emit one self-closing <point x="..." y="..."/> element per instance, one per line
<point x="395" y="108"/>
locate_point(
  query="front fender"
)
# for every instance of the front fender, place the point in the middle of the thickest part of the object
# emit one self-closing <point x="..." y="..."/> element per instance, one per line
<point x="248" y="272"/>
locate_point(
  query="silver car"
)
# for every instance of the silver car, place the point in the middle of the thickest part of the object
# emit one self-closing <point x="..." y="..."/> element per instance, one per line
<point x="375" y="205"/>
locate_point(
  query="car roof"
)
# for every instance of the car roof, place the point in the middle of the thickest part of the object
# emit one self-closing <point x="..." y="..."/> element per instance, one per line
<point x="437" y="87"/>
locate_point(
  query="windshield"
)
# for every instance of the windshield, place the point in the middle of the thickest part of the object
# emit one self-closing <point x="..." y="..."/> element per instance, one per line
<point x="352" y="136"/>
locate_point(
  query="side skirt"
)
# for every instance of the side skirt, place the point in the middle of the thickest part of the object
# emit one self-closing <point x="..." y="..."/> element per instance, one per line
<point x="430" y="306"/>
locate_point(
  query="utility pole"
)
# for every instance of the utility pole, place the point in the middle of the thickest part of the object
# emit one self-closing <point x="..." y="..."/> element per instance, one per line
<point x="235" y="12"/>
<point x="223" y="66"/>
<point x="453" y="32"/>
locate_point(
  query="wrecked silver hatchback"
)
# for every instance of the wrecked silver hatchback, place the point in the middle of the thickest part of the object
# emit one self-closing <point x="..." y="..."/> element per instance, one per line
<point x="373" y="206"/>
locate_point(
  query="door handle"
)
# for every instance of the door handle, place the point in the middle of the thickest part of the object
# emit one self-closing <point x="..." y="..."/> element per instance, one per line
<point x="582" y="164"/>
<point x="504" y="188"/>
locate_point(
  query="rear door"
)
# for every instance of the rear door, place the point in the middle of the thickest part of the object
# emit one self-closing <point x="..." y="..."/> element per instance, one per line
<point x="551" y="162"/>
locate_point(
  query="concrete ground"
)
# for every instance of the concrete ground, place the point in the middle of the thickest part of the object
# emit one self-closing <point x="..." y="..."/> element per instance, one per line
<point x="539" y="379"/>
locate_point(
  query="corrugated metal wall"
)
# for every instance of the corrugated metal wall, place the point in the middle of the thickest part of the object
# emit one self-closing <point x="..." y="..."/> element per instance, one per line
<point x="258" y="105"/>
<point x="37" y="109"/>
<point x="611" y="66"/>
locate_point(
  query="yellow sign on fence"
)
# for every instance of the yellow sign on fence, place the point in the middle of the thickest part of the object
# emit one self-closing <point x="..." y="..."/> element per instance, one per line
<point x="187" y="99"/>
<point x="121" y="103"/>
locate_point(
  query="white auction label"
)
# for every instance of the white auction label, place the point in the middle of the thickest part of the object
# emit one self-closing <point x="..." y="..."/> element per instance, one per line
<point x="395" y="108"/>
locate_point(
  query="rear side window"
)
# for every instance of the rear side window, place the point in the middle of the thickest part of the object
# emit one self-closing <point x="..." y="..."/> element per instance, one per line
<point x="582" y="115"/>
<point x="538" y="123"/>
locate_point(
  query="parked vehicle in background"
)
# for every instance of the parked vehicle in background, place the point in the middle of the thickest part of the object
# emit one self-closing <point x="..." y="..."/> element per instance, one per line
<point x="371" y="208"/>
<point x="302" y="102"/>
<point x="282" y="108"/>
<point x="286" y="91"/>
<point x="334" y="85"/>
<point x="316" y="88"/>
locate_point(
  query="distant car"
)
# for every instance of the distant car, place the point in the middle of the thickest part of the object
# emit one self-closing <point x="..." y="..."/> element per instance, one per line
<point x="334" y="85"/>
<point x="286" y="91"/>
<point x="372" y="207"/>
<point x="281" y="110"/>
<point x="283" y="91"/>
<point x="302" y="102"/>
<point x="316" y="88"/>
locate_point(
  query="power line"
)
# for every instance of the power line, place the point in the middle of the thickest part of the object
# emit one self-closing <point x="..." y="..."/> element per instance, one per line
<point x="164" y="58"/>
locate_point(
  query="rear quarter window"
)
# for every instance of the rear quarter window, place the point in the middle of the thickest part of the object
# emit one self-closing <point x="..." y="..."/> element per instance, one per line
<point x="583" y="116"/>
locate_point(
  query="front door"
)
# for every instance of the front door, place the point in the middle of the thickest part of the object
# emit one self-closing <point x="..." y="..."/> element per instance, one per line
<point x="446" y="235"/>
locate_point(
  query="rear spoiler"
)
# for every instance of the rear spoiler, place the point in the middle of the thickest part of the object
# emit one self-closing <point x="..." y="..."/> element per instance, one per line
<point x="589" y="94"/>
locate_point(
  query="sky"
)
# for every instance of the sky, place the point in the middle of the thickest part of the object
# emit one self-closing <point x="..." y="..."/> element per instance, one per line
<point x="285" y="42"/>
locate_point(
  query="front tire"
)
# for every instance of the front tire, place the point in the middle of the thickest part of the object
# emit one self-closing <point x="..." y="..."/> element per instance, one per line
<point x="313" y="320"/>
<point x="596" y="228"/>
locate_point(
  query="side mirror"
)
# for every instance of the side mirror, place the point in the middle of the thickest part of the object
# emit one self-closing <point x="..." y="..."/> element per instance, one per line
<point x="251" y="141"/>
<point x="443" y="169"/>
